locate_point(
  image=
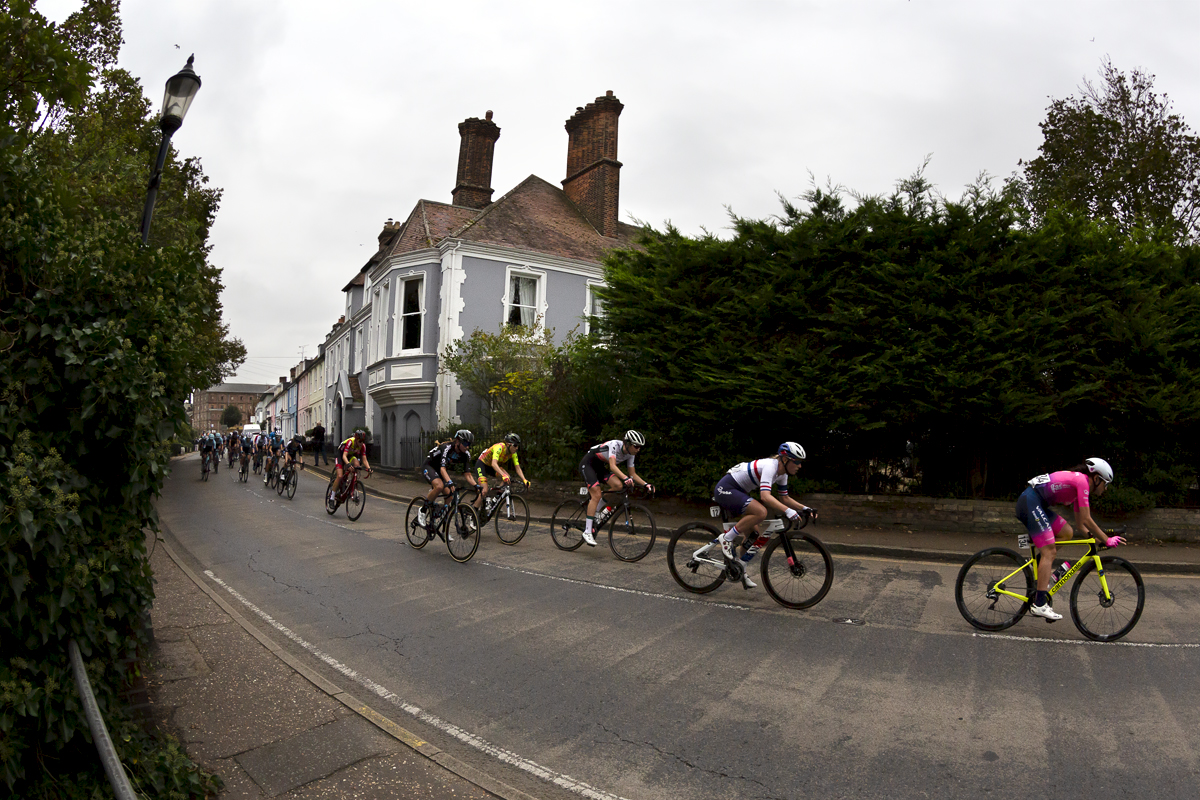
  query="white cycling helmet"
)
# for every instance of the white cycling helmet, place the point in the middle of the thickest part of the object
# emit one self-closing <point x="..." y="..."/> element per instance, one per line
<point x="792" y="450"/>
<point x="1098" y="466"/>
<point x="634" y="438"/>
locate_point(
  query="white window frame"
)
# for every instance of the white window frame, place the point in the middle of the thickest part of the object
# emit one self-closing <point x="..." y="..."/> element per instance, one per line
<point x="359" y="351"/>
<point x="398" y="332"/>
<point x="539" y="308"/>
<point x="588" y="300"/>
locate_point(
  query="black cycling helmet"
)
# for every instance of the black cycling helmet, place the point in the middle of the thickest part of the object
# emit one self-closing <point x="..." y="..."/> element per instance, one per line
<point x="513" y="439"/>
<point x="465" y="436"/>
<point x="360" y="434"/>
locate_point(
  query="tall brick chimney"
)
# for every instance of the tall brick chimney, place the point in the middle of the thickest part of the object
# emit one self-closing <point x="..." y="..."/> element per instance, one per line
<point x="593" y="179"/>
<point x="473" y="188"/>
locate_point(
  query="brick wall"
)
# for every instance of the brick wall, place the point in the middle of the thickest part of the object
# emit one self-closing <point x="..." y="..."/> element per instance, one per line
<point x="593" y="179"/>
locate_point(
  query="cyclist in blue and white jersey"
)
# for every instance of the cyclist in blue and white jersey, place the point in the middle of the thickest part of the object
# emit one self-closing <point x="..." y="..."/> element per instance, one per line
<point x="732" y="493"/>
<point x="599" y="469"/>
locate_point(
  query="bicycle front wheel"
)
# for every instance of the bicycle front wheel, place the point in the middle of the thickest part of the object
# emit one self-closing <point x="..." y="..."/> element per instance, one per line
<point x="417" y="535"/>
<point x="977" y="591"/>
<point x="511" y="519"/>
<point x="293" y="479"/>
<point x="631" y="533"/>
<point x="803" y="580"/>
<point x="280" y="483"/>
<point x="695" y="559"/>
<point x="1101" y="617"/>
<point x="462" y="536"/>
<point x="330" y="502"/>
<point x="566" y="526"/>
<point x="356" y="502"/>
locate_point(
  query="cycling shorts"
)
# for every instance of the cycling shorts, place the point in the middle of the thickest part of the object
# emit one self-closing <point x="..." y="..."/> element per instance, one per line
<point x="431" y="474"/>
<point x="592" y="472"/>
<point x="1042" y="523"/>
<point x="731" y="497"/>
<point x="484" y="471"/>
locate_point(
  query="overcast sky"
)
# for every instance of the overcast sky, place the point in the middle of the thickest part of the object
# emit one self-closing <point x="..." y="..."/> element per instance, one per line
<point x="321" y="120"/>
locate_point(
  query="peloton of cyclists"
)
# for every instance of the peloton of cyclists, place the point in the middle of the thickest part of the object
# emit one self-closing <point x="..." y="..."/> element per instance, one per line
<point x="599" y="469"/>
<point x="1073" y="487"/>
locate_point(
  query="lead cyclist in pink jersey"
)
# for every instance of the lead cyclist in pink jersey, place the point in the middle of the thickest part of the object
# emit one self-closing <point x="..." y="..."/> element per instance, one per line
<point x="1068" y="487"/>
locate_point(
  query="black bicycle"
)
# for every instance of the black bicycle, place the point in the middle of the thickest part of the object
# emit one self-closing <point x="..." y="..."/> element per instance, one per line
<point x="456" y="523"/>
<point x="631" y="527"/>
<point x="287" y="480"/>
<point x="204" y="460"/>
<point x="506" y="510"/>
<point x="243" y="473"/>
<point x="796" y="567"/>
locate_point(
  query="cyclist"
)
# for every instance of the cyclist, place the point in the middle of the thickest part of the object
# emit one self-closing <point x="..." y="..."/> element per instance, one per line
<point x="1073" y="486"/>
<point x="490" y="464"/>
<point x="732" y="493"/>
<point x="234" y="447"/>
<point x="443" y="454"/>
<point x="275" y="449"/>
<point x="294" y="448"/>
<point x="207" y="450"/>
<point x="599" y="469"/>
<point x="349" y="453"/>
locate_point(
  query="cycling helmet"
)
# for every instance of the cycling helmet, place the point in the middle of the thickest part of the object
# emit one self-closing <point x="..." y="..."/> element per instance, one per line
<point x="1098" y="466"/>
<point x="360" y="434"/>
<point x="792" y="450"/>
<point x="465" y="436"/>
<point x="513" y="439"/>
<point x="634" y="438"/>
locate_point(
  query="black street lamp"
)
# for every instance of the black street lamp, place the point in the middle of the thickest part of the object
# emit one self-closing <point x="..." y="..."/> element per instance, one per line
<point x="181" y="90"/>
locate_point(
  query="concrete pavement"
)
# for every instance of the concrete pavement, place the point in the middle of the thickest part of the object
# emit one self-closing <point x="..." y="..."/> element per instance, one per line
<point x="271" y="727"/>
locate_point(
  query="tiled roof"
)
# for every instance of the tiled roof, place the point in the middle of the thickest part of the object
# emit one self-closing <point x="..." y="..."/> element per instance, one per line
<point x="535" y="216"/>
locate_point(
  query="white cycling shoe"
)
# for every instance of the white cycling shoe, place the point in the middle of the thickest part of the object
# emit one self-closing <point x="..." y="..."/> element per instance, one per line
<point x="1045" y="612"/>
<point x="588" y="539"/>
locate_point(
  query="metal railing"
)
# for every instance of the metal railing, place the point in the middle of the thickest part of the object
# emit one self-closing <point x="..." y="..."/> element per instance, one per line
<point x="104" y="746"/>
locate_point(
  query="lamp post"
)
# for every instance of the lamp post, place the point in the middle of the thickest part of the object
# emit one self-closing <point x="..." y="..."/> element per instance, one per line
<point x="181" y="90"/>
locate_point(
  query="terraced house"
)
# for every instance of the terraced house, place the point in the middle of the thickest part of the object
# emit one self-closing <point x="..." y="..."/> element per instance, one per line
<point x="531" y="257"/>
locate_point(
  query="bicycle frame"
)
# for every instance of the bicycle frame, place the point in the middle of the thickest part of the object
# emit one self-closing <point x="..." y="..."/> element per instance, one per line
<point x="1093" y="552"/>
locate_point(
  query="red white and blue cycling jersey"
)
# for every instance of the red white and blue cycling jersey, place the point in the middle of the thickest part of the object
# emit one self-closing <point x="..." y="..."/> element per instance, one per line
<point x="760" y="475"/>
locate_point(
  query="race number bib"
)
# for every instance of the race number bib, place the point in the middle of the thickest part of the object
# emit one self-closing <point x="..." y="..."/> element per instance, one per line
<point x="1040" y="480"/>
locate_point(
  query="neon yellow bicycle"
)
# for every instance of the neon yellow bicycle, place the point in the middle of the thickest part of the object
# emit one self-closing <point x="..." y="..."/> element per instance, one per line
<point x="995" y="588"/>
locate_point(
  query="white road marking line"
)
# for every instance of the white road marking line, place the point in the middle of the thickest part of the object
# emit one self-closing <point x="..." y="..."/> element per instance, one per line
<point x="508" y="757"/>
<point x="1043" y="639"/>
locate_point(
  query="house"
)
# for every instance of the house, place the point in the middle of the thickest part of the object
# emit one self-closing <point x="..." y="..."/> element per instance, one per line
<point x="208" y="405"/>
<point x="531" y="257"/>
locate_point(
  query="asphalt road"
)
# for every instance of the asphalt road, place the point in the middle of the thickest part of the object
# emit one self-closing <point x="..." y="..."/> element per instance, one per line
<point x="573" y="674"/>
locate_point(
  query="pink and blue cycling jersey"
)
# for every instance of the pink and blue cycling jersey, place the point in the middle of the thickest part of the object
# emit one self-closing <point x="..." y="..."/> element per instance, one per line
<point x="1063" y="488"/>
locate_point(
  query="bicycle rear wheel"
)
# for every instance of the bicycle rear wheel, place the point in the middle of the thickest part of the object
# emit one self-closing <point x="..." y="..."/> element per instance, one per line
<point x="805" y="580"/>
<point x="356" y="502"/>
<point x="462" y="535"/>
<point x="695" y="559"/>
<point x="511" y="519"/>
<point x="631" y="533"/>
<point x="1106" y="619"/>
<point x="984" y="573"/>
<point x="418" y="537"/>
<point x="566" y="526"/>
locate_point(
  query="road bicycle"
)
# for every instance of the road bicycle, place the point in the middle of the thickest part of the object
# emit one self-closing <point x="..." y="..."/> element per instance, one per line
<point x="506" y="510"/>
<point x="204" y="465"/>
<point x="796" y="568"/>
<point x="995" y="588"/>
<point x="352" y="494"/>
<point x="232" y="455"/>
<point x="257" y="462"/>
<point x="243" y="475"/>
<point x="287" y="480"/>
<point x="631" y="527"/>
<point x="456" y="523"/>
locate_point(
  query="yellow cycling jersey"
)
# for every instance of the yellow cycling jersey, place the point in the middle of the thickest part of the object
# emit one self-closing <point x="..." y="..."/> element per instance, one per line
<point x="499" y="454"/>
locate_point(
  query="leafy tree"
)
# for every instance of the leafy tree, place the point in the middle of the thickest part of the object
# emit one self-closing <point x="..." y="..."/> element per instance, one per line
<point x="231" y="416"/>
<point x="1117" y="153"/>
<point x="92" y="325"/>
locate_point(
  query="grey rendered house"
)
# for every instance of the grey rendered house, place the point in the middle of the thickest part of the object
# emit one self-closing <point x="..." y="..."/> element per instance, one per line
<point x="532" y="257"/>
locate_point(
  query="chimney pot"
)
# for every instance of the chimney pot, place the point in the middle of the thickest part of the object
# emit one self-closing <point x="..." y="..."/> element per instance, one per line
<point x="488" y="116"/>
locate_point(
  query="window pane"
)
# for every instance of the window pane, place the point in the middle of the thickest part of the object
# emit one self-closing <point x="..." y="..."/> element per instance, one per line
<point x="412" y="332"/>
<point x="412" y="296"/>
